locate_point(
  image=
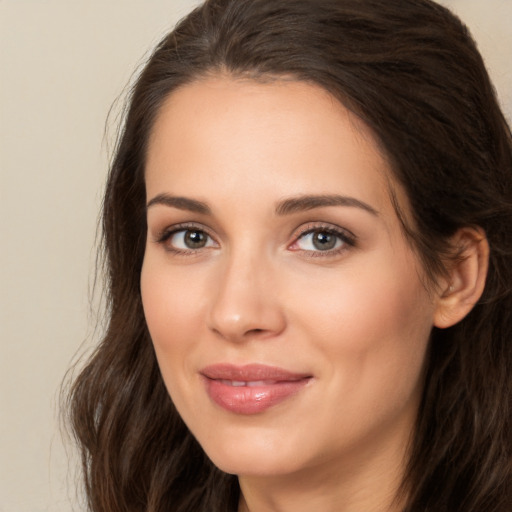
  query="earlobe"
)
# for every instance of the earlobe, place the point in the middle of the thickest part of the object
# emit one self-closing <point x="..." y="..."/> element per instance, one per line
<point x="466" y="280"/>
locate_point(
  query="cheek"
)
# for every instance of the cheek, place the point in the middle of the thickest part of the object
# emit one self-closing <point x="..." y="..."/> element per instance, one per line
<point x="373" y="327"/>
<point x="173" y="306"/>
<point x="360" y="308"/>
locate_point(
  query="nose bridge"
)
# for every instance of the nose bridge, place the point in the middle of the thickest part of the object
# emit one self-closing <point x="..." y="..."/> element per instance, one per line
<point x="244" y="303"/>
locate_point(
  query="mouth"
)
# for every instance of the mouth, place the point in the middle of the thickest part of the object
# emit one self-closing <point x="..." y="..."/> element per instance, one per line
<point x="248" y="383"/>
<point x="251" y="389"/>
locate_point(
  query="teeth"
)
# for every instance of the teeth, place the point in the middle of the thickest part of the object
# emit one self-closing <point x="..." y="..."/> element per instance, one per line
<point x="250" y="384"/>
<point x="255" y="383"/>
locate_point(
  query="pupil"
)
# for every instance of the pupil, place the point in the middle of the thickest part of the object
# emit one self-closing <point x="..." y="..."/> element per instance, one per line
<point x="324" y="241"/>
<point x="195" y="239"/>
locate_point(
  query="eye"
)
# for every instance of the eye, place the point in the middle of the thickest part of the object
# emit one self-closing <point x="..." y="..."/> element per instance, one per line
<point x="189" y="239"/>
<point x="323" y="239"/>
<point x="319" y="241"/>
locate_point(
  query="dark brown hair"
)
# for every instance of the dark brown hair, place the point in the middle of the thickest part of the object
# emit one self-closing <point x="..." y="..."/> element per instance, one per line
<point x="410" y="70"/>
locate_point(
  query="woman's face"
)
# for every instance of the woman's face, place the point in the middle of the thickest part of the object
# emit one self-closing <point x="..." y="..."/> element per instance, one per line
<point x="287" y="311"/>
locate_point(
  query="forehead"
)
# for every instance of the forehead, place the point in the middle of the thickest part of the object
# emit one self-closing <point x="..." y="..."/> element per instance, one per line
<point x="226" y="138"/>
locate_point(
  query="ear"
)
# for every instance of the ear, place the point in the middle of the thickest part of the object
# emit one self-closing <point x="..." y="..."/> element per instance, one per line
<point x="466" y="278"/>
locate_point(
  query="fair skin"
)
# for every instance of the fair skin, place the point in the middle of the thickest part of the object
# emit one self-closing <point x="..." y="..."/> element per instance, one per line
<point x="244" y="271"/>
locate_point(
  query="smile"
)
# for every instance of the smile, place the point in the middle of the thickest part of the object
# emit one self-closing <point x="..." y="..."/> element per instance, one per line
<point x="251" y="389"/>
<point x="250" y="384"/>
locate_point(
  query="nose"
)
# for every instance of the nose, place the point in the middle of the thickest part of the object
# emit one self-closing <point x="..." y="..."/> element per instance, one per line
<point x="245" y="304"/>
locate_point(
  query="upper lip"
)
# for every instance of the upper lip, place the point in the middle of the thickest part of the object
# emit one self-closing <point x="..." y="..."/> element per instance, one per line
<point x="250" y="372"/>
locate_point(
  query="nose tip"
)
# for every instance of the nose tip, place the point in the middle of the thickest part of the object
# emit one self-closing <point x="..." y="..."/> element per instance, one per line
<point x="247" y="322"/>
<point x="245" y="307"/>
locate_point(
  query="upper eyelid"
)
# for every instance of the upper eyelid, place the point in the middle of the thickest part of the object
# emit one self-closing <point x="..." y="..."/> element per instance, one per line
<point x="327" y="226"/>
<point x="297" y="233"/>
<point x="182" y="226"/>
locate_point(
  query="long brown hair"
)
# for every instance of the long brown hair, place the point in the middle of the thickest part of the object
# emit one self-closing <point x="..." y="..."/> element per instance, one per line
<point x="412" y="73"/>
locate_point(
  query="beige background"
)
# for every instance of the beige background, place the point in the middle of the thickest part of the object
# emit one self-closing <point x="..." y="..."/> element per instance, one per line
<point x="62" y="64"/>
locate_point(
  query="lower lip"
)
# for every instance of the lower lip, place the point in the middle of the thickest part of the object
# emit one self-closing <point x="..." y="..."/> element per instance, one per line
<point x="252" y="399"/>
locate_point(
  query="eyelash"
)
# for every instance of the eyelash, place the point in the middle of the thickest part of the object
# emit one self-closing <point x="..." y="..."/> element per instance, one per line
<point x="168" y="233"/>
<point x="346" y="237"/>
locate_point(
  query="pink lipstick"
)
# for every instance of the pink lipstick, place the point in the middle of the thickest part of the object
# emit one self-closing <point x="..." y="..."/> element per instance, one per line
<point x="251" y="389"/>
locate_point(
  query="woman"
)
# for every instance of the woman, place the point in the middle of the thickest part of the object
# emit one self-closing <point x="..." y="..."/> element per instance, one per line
<point x="306" y="229"/>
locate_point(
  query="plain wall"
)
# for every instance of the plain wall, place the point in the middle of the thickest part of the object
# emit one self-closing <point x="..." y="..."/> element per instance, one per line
<point x="62" y="65"/>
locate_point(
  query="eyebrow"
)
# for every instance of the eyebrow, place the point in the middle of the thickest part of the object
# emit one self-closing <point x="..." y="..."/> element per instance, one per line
<point x="284" y="207"/>
<point x="310" y="202"/>
<point x="182" y="203"/>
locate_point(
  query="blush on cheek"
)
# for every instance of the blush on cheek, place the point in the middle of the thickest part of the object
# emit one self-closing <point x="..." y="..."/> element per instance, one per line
<point x="377" y="327"/>
<point x="171" y="301"/>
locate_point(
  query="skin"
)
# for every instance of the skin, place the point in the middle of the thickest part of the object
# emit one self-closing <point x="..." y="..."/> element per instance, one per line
<point x="356" y="318"/>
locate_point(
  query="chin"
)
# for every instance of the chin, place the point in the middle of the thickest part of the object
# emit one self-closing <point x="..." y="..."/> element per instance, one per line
<point x="250" y="464"/>
<point x="257" y="453"/>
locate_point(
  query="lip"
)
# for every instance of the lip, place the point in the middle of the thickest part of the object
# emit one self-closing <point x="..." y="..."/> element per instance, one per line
<point x="252" y="388"/>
